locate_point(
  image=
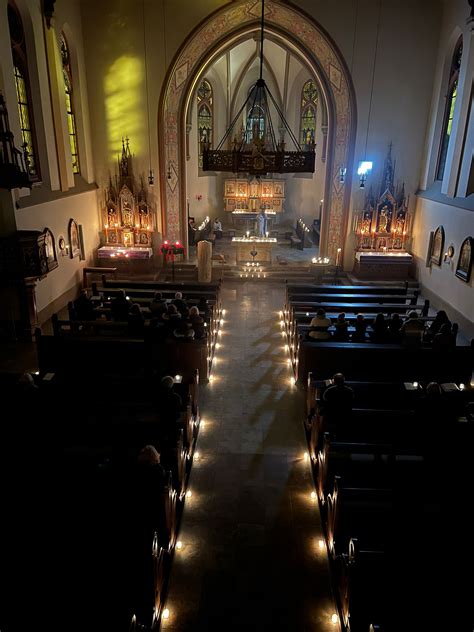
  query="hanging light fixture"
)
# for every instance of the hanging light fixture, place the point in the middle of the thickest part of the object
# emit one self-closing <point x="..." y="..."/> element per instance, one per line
<point x="254" y="151"/>
<point x="151" y="175"/>
<point x="13" y="163"/>
<point x="365" y="166"/>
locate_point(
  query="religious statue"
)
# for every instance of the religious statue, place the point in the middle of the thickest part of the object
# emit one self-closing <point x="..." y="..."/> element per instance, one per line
<point x="143" y="215"/>
<point x="111" y="216"/>
<point x="365" y="224"/>
<point x="400" y="224"/>
<point x="383" y="220"/>
<point x="127" y="215"/>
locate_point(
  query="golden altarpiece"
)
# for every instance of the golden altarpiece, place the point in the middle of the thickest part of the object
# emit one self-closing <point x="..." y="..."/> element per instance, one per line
<point x="127" y="218"/>
<point x="383" y="227"/>
<point x="384" y="223"/>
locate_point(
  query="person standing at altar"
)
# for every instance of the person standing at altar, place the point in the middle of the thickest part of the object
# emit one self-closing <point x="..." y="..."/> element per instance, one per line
<point x="262" y="223"/>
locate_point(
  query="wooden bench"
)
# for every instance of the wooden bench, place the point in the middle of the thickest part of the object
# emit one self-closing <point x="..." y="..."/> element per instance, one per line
<point x="295" y="241"/>
<point x="96" y="270"/>
<point x="383" y="362"/>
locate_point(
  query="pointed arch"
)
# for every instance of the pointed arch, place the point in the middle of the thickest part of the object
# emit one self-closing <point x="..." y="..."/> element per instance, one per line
<point x="23" y="89"/>
<point x="209" y="40"/>
<point x="308" y="113"/>
<point x="69" y="96"/>
<point x="451" y="94"/>
<point x="205" y="117"/>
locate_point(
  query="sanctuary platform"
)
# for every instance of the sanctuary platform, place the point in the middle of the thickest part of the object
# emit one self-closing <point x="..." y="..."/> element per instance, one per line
<point x="383" y="265"/>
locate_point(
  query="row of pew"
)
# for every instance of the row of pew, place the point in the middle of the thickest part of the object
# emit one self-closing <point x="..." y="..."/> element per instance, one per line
<point x="361" y="360"/>
<point x="385" y="481"/>
<point x="122" y="517"/>
<point x="74" y="342"/>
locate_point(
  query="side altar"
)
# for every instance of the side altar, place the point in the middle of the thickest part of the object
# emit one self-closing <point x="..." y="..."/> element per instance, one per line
<point x="383" y="230"/>
<point x="127" y="217"/>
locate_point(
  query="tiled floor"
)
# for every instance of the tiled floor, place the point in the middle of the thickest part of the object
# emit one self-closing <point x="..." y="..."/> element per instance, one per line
<point x="250" y="559"/>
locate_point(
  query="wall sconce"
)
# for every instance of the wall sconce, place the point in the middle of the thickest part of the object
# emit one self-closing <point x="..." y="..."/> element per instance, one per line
<point x="342" y="175"/>
<point x="198" y="197"/>
<point x="365" y="166"/>
<point x="449" y="254"/>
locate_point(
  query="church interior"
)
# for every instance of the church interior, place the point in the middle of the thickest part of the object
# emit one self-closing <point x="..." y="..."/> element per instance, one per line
<point x="236" y="315"/>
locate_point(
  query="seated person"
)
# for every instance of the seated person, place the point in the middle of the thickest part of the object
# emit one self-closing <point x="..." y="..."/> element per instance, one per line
<point x="217" y="228"/>
<point x="136" y="321"/>
<point x="360" y="326"/>
<point x="120" y="306"/>
<point x="319" y="326"/>
<point x="158" y="306"/>
<point x="394" y="326"/>
<point x="440" y="319"/>
<point x="341" y="334"/>
<point x="172" y="317"/>
<point x="197" y="323"/>
<point x="180" y="303"/>
<point x="379" y="329"/>
<point x="203" y="307"/>
<point x="84" y="307"/>
<point x="412" y="330"/>
<point x="444" y="340"/>
<point x="338" y="398"/>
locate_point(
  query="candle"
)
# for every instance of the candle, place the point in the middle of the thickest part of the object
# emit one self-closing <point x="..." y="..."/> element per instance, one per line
<point x="338" y="256"/>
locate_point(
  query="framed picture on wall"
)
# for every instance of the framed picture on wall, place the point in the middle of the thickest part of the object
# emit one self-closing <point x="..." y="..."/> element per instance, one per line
<point x="73" y="236"/>
<point x="464" y="265"/>
<point x="438" y="245"/>
<point x="50" y="249"/>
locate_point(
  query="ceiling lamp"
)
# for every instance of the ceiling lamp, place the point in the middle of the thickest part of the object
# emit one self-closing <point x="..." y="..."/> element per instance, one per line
<point x="13" y="163"/>
<point x="255" y="149"/>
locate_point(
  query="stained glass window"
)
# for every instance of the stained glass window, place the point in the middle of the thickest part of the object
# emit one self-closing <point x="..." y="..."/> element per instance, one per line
<point x="23" y="92"/>
<point x="205" y="116"/>
<point x="309" y="103"/>
<point x="256" y="119"/>
<point x="449" y="110"/>
<point x="68" y="90"/>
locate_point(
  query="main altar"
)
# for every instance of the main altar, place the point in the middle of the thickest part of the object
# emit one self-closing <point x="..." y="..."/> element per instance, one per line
<point x="383" y="230"/>
<point x="243" y="199"/>
<point x="254" y="249"/>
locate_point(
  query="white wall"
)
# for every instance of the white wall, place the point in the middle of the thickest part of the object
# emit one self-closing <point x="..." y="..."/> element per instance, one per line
<point x="55" y="216"/>
<point x="45" y="206"/>
<point x="458" y="224"/>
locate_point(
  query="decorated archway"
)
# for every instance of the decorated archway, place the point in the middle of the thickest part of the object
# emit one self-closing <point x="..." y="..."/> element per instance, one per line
<point x="204" y="45"/>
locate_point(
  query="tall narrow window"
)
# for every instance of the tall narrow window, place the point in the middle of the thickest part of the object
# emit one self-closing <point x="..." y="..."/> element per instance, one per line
<point x="309" y="104"/>
<point x="256" y="119"/>
<point x="71" y="119"/>
<point x="23" y="91"/>
<point x="449" y="109"/>
<point x="205" y="116"/>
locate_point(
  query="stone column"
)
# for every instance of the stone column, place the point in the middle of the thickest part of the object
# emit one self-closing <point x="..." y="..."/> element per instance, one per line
<point x="204" y="254"/>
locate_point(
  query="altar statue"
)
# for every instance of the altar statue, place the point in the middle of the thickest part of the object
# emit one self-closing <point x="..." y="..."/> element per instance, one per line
<point x="383" y="220"/>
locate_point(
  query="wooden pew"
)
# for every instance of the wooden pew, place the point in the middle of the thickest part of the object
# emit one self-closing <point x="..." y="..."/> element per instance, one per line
<point x="360" y="308"/>
<point x="399" y="290"/>
<point x="161" y="286"/>
<point x="352" y="298"/>
<point x="373" y="362"/>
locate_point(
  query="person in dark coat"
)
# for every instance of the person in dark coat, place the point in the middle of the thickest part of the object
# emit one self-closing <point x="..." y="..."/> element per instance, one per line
<point x="84" y="307"/>
<point x="120" y="306"/>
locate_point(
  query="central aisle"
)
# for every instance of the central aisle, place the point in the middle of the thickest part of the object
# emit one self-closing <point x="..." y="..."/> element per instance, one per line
<point x="250" y="558"/>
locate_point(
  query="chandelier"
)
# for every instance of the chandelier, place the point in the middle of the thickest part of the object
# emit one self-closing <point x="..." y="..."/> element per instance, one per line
<point x="255" y="150"/>
<point x="13" y="163"/>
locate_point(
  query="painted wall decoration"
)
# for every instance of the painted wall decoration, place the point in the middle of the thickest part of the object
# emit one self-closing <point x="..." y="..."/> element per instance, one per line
<point x="190" y="64"/>
<point x="73" y="236"/>
<point x="438" y="246"/>
<point x="464" y="265"/>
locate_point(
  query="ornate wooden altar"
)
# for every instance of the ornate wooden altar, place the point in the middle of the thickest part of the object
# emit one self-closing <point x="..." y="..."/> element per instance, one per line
<point x="383" y="229"/>
<point x="244" y="196"/>
<point x="127" y="218"/>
